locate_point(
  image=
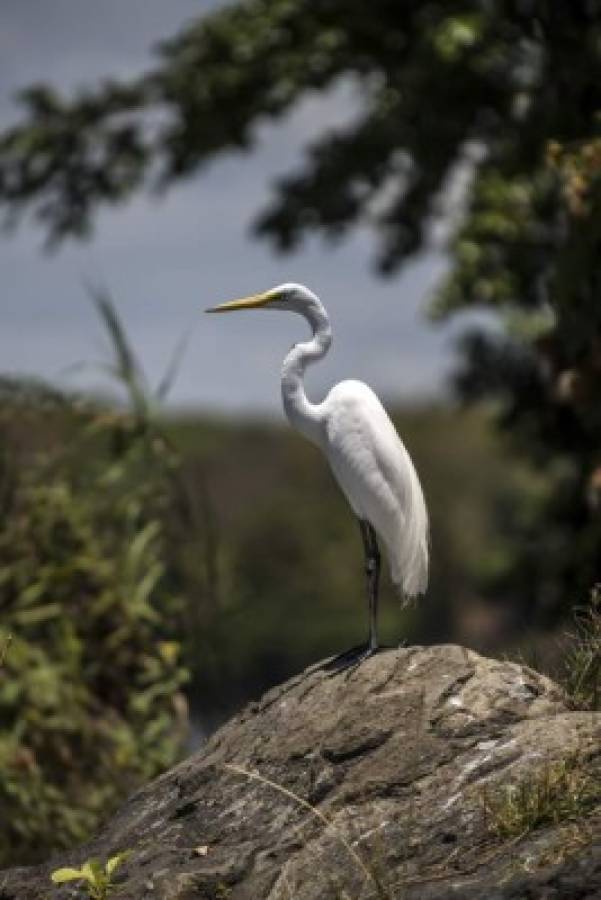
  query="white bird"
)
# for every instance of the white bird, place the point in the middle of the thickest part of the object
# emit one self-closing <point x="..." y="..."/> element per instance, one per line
<point x="366" y="455"/>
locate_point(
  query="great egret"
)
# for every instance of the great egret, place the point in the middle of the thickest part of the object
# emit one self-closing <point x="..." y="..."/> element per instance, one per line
<point x="366" y="455"/>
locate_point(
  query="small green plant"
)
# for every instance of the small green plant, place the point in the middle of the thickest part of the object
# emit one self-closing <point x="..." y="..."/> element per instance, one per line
<point x="96" y="877"/>
<point x="222" y="892"/>
<point x="583" y="661"/>
<point x="561" y="791"/>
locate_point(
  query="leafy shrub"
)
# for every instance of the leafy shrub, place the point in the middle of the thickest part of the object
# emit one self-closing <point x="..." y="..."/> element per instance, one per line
<point x="89" y="702"/>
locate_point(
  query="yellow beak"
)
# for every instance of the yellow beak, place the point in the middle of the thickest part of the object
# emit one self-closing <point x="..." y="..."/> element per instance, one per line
<point x="253" y="302"/>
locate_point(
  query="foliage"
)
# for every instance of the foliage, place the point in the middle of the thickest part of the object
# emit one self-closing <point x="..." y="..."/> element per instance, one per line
<point x="96" y="877"/>
<point x="88" y="692"/>
<point x="125" y="369"/>
<point x="4" y="649"/>
<point x="561" y="791"/>
<point x="583" y="661"/>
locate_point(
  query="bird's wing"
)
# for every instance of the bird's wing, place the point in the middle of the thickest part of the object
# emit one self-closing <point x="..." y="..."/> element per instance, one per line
<point x="377" y="475"/>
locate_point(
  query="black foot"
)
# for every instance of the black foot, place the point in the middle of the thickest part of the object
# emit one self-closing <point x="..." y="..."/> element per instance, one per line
<point x="350" y="659"/>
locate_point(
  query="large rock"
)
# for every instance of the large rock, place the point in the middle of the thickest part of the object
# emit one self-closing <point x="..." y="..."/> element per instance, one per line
<point x="396" y="757"/>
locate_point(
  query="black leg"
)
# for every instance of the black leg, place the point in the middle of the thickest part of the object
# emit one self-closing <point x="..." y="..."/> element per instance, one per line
<point x="353" y="657"/>
<point x="372" y="573"/>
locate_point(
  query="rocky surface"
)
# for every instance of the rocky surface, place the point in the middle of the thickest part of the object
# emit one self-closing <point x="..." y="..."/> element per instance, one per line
<point x="396" y="759"/>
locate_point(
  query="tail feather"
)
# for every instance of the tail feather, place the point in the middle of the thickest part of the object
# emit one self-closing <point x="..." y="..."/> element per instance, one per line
<point x="409" y="555"/>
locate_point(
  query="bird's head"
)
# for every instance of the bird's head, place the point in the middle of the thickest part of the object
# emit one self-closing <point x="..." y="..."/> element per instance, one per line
<point x="292" y="297"/>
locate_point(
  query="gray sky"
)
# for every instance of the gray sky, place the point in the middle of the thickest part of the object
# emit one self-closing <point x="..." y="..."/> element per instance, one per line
<point x="166" y="259"/>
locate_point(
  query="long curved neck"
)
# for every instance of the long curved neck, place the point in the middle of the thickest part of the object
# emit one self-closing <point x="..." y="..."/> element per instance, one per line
<point x="303" y="414"/>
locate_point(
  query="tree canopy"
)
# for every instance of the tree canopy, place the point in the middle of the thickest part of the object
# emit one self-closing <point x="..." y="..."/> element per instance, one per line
<point x="519" y="81"/>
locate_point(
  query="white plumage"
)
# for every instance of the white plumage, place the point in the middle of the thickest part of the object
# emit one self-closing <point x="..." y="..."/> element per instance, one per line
<point x="366" y="455"/>
<point x="375" y="472"/>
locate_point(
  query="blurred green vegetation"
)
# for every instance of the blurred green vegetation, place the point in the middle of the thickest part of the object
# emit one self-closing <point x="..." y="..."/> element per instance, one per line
<point x="90" y="702"/>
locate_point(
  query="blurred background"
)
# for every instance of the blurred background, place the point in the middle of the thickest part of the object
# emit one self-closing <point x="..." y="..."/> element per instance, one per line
<point x="169" y="548"/>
